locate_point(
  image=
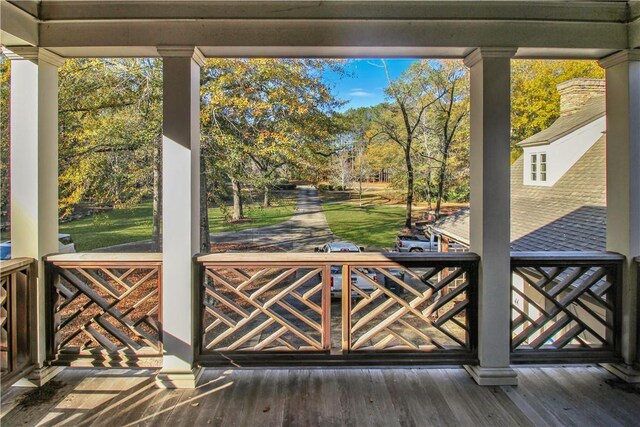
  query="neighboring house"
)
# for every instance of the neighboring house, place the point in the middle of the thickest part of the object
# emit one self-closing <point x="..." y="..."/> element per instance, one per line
<point x="558" y="199"/>
<point x="558" y="202"/>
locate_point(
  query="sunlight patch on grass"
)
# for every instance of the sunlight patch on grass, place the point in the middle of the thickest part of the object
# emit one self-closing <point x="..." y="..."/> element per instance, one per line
<point x="257" y="215"/>
<point x="127" y="225"/>
<point x="373" y="226"/>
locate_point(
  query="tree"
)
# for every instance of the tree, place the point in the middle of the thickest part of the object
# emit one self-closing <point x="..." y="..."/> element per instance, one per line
<point x="449" y="86"/>
<point x="264" y="114"/>
<point x="358" y="122"/>
<point x="5" y="74"/>
<point x="535" y="103"/>
<point x="399" y="120"/>
<point x="110" y="134"/>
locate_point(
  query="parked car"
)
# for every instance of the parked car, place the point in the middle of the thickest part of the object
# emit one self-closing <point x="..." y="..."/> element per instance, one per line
<point x="339" y="247"/>
<point x="410" y="243"/>
<point x="65" y="245"/>
<point x="356" y="280"/>
<point x="336" y="271"/>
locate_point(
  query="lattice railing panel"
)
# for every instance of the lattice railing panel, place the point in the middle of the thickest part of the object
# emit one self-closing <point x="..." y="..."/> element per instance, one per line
<point x="5" y="325"/>
<point x="410" y="309"/>
<point x="267" y="308"/>
<point x="563" y="307"/>
<point x="110" y="309"/>
<point x="17" y="290"/>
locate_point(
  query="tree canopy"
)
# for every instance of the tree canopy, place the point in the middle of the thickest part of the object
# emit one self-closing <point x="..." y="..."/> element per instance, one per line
<point x="265" y="121"/>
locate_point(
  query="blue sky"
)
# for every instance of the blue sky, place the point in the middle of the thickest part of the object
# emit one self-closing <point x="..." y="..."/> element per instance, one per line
<point x="365" y="81"/>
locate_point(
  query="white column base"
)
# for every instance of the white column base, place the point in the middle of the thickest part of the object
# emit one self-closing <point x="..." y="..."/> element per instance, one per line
<point x="623" y="371"/>
<point x="39" y="376"/>
<point x="179" y="379"/>
<point x="492" y="376"/>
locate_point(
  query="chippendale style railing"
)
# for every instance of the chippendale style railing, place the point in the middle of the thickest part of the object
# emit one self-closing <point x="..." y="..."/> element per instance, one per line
<point x="337" y="307"/>
<point x="17" y="320"/>
<point x="565" y="306"/>
<point x="104" y="308"/>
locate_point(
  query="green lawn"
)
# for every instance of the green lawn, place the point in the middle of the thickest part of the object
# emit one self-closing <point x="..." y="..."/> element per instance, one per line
<point x="110" y="228"/>
<point x="280" y="211"/>
<point x="373" y="226"/>
<point x="133" y="224"/>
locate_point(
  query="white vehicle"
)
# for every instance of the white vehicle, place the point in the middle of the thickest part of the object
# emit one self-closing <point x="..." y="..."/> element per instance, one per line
<point x="65" y="244"/>
<point x="356" y="280"/>
<point x="339" y="247"/>
<point x="336" y="271"/>
<point x="411" y="243"/>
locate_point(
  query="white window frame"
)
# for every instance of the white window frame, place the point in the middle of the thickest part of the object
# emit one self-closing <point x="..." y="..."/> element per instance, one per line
<point x="533" y="161"/>
<point x="542" y="166"/>
<point x="538" y="166"/>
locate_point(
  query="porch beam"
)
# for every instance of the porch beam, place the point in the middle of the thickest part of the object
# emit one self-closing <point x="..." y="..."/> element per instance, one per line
<point x="623" y="187"/>
<point x="17" y="26"/>
<point x="34" y="173"/>
<point x="181" y="213"/>
<point x="381" y="33"/>
<point x="490" y="210"/>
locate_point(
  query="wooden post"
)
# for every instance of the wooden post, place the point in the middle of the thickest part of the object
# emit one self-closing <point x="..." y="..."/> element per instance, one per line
<point x="623" y="191"/>
<point x="490" y="210"/>
<point x="34" y="174"/>
<point x="181" y="214"/>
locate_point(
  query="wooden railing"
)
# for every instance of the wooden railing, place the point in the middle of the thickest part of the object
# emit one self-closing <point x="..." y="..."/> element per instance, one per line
<point x="17" y="302"/>
<point x="267" y="307"/>
<point x="565" y="306"/>
<point x="104" y="309"/>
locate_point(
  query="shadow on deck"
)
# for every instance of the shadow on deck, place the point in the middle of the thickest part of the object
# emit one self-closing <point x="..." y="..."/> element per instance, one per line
<point x="585" y="395"/>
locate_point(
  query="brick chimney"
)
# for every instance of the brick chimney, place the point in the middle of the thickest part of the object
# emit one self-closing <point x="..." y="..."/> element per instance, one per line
<point x="575" y="93"/>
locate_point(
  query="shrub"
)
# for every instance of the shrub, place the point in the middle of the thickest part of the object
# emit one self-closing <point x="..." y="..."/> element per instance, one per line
<point x="324" y="187"/>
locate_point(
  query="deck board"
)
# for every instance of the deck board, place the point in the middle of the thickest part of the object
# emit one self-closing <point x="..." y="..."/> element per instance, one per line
<point x="385" y="397"/>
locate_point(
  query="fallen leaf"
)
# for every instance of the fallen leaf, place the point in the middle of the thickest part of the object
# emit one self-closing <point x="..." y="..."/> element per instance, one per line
<point x="266" y="409"/>
<point x="195" y="404"/>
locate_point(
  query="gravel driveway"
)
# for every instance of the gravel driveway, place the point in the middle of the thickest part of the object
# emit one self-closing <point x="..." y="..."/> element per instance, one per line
<point x="306" y="229"/>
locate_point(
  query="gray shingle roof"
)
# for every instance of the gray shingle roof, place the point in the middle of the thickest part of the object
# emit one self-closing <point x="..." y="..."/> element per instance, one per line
<point x="593" y="109"/>
<point x="571" y="215"/>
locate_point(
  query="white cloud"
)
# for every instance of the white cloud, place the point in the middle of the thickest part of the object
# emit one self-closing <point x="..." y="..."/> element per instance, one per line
<point x="359" y="92"/>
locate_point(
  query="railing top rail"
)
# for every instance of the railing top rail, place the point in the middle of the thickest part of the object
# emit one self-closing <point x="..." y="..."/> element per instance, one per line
<point x="336" y="258"/>
<point x="9" y="266"/>
<point x="104" y="257"/>
<point x="566" y="257"/>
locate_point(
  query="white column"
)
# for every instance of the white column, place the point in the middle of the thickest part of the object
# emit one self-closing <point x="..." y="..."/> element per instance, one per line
<point x="623" y="187"/>
<point x="181" y="213"/>
<point x="34" y="172"/>
<point x="490" y="210"/>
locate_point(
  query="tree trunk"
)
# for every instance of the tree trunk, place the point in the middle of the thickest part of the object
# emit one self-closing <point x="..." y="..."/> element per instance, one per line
<point x="237" y="200"/>
<point x="429" y="192"/>
<point x="407" y="158"/>
<point x="441" y="177"/>
<point x="156" y="230"/>
<point x="205" y="239"/>
<point x="266" y="202"/>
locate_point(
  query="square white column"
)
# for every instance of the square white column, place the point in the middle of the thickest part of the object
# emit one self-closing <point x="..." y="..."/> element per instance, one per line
<point x="490" y="221"/>
<point x="623" y="184"/>
<point x="34" y="171"/>
<point x="181" y="214"/>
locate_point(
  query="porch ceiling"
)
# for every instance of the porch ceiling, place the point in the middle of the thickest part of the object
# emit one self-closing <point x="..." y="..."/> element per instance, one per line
<point x="571" y="29"/>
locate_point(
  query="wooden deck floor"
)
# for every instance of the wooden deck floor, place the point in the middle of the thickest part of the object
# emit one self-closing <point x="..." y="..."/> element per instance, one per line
<point x="343" y="397"/>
